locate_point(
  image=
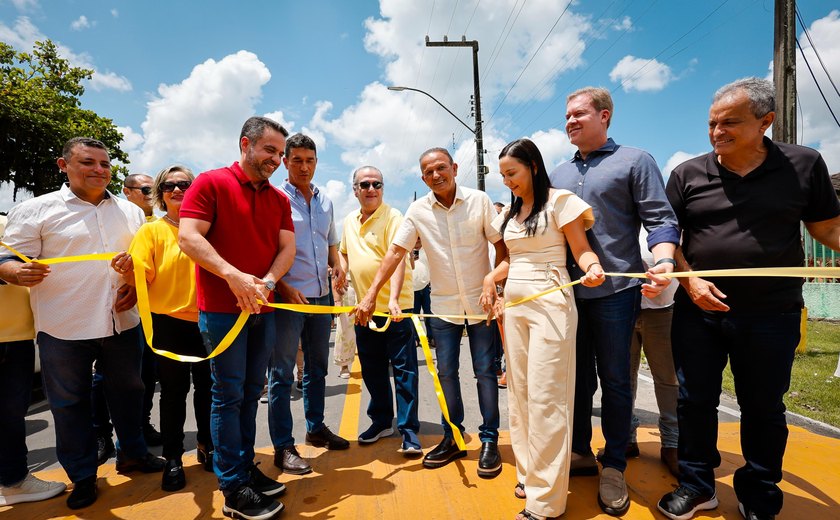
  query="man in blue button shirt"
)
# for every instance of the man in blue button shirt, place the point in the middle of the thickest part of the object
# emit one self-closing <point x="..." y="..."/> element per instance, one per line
<point x="306" y="282"/>
<point x="625" y="189"/>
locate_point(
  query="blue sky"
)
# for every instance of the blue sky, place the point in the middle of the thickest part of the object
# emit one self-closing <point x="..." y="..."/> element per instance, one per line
<point x="179" y="78"/>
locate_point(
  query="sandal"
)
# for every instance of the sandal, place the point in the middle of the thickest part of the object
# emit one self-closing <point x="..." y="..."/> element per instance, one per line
<point x="526" y="515"/>
<point x="519" y="491"/>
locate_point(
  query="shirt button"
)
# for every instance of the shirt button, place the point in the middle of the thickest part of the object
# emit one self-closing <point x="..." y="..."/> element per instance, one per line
<point x="580" y="183"/>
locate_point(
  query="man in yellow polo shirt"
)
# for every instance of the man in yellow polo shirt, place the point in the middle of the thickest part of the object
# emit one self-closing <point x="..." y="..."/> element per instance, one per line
<point x="17" y="366"/>
<point x="367" y="235"/>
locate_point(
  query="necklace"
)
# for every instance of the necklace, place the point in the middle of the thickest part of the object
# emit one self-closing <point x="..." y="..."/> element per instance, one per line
<point x="166" y="218"/>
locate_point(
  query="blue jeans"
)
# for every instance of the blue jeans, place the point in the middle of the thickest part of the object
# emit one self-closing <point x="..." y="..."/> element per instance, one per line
<point x="66" y="369"/>
<point x="605" y="329"/>
<point x="483" y="350"/>
<point x="238" y="379"/>
<point x="394" y="347"/>
<point x="17" y="364"/>
<point x="313" y="333"/>
<point x="760" y="349"/>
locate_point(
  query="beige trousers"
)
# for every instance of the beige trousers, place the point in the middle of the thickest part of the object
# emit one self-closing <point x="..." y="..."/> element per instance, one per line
<point x="540" y="350"/>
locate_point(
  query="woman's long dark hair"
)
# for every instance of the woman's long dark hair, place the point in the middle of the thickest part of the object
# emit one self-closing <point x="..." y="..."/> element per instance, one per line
<point x="527" y="153"/>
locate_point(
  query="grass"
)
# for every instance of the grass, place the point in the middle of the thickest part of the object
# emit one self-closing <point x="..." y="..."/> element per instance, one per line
<point x="814" y="391"/>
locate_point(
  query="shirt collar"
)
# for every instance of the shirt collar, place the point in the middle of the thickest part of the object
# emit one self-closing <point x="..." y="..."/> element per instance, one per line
<point x="242" y="177"/>
<point x="67" y="194"/>
<point x="773" y="161"/>
<point x="375" y="215"/>
<point x="291" y="189"/>
<point x="459" y="195"/>
<point x="608" y="147"/>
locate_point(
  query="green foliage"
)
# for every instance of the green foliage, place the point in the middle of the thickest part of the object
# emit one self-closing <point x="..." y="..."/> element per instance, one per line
<point x="814" y="391"/>
<point x="39" y="112"/>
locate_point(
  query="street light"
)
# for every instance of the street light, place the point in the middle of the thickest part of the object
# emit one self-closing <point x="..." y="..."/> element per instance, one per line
<point x="475" y="131"/>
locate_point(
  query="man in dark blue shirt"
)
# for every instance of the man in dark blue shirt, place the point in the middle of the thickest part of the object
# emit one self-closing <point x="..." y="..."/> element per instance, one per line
<point x="625" y="189"/>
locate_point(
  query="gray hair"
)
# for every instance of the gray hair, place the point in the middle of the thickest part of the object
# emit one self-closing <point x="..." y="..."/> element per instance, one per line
<point x="254" y="128"/>
<point x="760" y="92"/>
<point x="360" y="168"/>
<point x="437" y="149"/>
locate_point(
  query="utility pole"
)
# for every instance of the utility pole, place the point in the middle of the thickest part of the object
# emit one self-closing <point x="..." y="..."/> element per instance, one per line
<point x="481" y="170"/>
<point x="784" y="71"/>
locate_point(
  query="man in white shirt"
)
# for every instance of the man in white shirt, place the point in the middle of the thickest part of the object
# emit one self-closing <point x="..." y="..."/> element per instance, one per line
<point x="454" y="225"/>
<point x="83" y="313"/>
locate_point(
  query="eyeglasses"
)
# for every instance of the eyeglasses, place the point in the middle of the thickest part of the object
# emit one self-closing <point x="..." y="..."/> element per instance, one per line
<point x="366" y="185"/>
<point x="145" y="190"/>
<point x="167" y="186"/>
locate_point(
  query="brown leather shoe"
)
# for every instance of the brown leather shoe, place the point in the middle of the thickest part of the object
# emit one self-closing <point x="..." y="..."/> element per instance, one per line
<point x="289" y="460"/>
<point x="671" y="461"/>
<point x="503" y="380"/>
<point x="612" y="492"/>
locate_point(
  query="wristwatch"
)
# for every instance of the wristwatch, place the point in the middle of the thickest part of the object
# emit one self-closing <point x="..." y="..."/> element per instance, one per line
<point x="269" y="284"/>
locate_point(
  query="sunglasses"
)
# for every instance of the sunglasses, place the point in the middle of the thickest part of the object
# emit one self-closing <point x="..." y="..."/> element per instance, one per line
<point x="167" y="186"/>
<point x="366" y="185"/>
<point x="145" y="190"/>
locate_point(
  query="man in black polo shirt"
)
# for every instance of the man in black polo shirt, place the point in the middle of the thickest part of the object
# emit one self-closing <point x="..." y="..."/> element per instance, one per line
<point x="740" y="206"/>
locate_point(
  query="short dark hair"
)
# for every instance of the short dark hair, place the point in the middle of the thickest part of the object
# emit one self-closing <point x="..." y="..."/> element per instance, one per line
<point x="300" y="141"/>
<point x="437" y="149"/>
<point x="130" y="179"/>
<point x="67" y="151"/>
<point x="255" y="126"/>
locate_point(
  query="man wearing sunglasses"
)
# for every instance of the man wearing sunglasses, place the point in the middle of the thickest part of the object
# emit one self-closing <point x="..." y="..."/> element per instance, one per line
<point x="306" y="282"/>
<point x="453" y="223"/>
<point x="367" y="235"/>
<point x="137" y="188"/>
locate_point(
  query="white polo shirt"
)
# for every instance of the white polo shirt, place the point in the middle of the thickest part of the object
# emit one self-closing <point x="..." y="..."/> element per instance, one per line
<point x="455" y="241"/>
<point x="76" y="301"/>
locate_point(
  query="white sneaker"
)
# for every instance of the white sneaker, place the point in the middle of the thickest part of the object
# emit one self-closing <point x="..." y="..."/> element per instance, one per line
<point x="30" y="489"/>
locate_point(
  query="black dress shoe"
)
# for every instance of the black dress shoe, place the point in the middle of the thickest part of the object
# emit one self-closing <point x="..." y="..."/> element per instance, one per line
<point x="489" y="460"/>
<point x="443" y="454"/>
<point x="173" y="476"/>
<point x="749" y="514"/>
<point x="84" y="493"/>
<point x="148" y="463"/>
<point x="325" y="437"/>
<point x="205" y="457"/>
<point x="105" y="449"/>
<point x="152" y="436"/>
<point x="289" y="461"/>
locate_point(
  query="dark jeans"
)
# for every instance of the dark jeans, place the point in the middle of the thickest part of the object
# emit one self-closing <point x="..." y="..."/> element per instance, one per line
<point x="378" y="350"/>
<point x="760" y="349"/>
<point x="423" y="304"/>
<point x="149" y="375"/>
<point x="17" y="365"/>
<point x="181" y="337"/>
<point x="312" y="331"/>
<point x="238" y="379"/>
<point x="483" y="350"/>
<point x="605" y="329"/>
<point x="66" y="369"/>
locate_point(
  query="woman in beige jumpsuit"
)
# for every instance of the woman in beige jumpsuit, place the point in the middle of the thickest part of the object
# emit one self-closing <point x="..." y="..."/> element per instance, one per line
<point x="540" y="334"/>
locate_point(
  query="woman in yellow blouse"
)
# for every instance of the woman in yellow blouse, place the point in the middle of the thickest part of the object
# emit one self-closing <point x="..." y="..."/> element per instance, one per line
<point x="170" y="275"/>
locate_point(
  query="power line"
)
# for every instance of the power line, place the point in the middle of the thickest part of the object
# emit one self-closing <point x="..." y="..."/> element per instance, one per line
<point x="633" y="76"/>
<point x="816" y="82"/>
<point x="534" y="55"/>
<point x="499" y="39"/>
<point x="814" y="48"/>
<point x="505" y="38"/>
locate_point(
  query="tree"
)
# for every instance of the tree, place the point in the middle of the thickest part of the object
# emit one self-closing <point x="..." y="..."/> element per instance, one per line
<point x="39" y="111"/>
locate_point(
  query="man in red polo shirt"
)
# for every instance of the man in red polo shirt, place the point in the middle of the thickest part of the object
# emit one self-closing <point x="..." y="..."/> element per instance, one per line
<point x="238" y="229"/>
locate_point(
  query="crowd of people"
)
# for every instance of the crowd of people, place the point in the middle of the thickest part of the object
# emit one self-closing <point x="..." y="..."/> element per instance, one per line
<point x="229" y="241"/>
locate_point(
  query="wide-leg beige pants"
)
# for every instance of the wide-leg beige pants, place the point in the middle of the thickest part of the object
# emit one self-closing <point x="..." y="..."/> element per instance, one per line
<point x="540" y="350"/>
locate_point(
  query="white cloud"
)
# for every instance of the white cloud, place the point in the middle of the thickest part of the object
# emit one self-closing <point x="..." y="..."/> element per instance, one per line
<point x="6" y="193"/>
<point x="81" y="23"/>
<point x="197" y="121"/>
<point x="23" y="35"/>
<point x="817" y="126"/>
<point x="115" y="13"/>
<point x="625" y="24"/>
<point x="641" y="75"/>
<point x="675" y="160"/>
<point x="390" y="129"/>
<point x="25" y="5"/>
